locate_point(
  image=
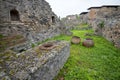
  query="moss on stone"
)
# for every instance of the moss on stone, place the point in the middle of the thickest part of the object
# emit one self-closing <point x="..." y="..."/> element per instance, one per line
<point x="12" y="72"/>
<point x="38" y="52"/>
<point x="1" y="36"/>
<point x="4" y="78"/>
<point x="22" y="56"/>
<point x="1" y="61"/>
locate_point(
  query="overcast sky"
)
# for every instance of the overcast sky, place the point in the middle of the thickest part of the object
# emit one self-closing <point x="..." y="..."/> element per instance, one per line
<point x="67" y="7"/>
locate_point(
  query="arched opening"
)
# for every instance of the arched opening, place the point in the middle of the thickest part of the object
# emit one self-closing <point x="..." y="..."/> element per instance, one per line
<point x="14" y="14"/>
<point x="53" y="19"/>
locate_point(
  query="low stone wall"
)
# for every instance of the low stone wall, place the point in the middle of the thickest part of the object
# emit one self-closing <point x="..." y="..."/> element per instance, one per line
<point x="110" y="30"/>
<point x="34" y="64"/>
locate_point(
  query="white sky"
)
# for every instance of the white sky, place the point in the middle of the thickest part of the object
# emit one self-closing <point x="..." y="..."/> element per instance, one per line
<point x="68" y="7"/>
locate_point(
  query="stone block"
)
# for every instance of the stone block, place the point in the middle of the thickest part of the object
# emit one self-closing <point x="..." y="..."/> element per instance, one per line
<point x="34" y="64"/>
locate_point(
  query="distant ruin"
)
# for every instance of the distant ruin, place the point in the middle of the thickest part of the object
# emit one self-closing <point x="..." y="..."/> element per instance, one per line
<point x="71" y="21"/>
<point x="103" y="19"/>
<point x="83" y="17"/>
<point x="105" y="22"/>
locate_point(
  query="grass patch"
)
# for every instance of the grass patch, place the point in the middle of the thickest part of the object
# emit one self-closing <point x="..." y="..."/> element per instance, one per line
<point x="101" y="62"/>
<point x="1" y="36"/>
<point x="82" y="26"/>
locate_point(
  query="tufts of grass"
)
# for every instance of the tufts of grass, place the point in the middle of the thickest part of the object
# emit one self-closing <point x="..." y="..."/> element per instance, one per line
<point x="101" y="62"/>
<point x="82" y="26"/>
<point x="1" y="36"/>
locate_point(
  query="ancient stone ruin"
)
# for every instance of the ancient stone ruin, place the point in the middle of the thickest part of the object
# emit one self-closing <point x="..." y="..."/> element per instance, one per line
<point x="35" y="63"/>
<point x="23" y="22"/>
<point x="71" y="21"/>
<point x="105" y="22"/>
<point x="84" y="17"/>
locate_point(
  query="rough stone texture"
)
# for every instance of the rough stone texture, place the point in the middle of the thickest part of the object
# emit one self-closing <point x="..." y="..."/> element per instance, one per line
<point x="71" y="21"/>
<point x="33" y="19"/>
<point x="92" y="15"/>
<point x="34" y="64"/>
<point x="84" y="17"/>
<point x="105" y="22"/>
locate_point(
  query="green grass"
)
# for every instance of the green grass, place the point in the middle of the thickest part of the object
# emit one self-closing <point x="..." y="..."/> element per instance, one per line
<point x="82" y="26"/>
<point x="1" y="36"/>
<point x="101" y="62"/>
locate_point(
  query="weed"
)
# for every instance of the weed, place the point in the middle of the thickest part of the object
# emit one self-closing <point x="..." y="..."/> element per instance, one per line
<point x="1" y="36"/>
<point x="33" y="45"/>
<point x="101" y="24"/>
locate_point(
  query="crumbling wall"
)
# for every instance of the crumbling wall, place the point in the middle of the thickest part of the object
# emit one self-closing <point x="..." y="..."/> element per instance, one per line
<point x="106" y="23"/>
<point x="84" y="18"/>
<point x="32" y="19"/>
<point x="71" y="21"/>
<point x="37" y="15"/>
<point x="34" y="64"/>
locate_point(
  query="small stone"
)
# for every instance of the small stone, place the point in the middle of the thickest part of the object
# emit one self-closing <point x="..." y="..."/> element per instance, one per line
<point x="2" y="74"/>
<point x="33" y="69"/>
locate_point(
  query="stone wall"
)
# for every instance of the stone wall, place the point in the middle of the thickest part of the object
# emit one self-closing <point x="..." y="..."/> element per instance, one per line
<point x="28" y="11"/>
<point x="71" y="21"/>
<point x="105" y="22"/>
<point x="34" y="64"/>
<point x="84" y="17"/>
<point x="33" y="19"/>
<point x="92" y="15"/>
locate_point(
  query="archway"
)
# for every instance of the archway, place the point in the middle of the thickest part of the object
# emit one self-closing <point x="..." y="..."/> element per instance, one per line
<point x="14" y="14"/>
<point x="53" y="19"/>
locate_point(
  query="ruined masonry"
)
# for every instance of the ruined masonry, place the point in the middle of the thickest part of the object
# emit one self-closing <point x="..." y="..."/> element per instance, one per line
<point x="84" y="17"/>
<point x="105" y="20"/>
<point x="71" y="21"/>
<point x="34" y="64"/>
<point x="24" y="22"/>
